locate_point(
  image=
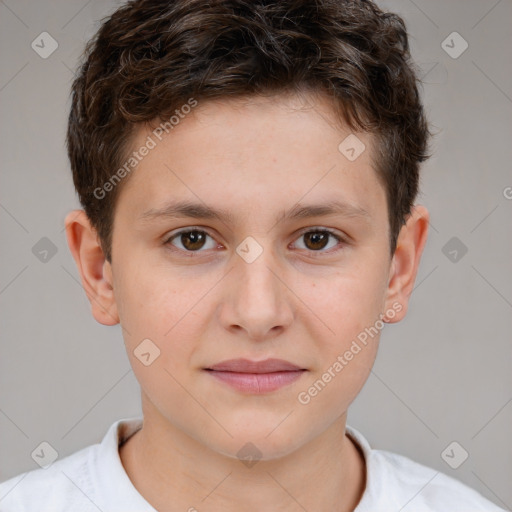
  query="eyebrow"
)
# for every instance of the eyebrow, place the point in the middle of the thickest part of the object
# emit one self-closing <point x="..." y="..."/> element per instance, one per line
<point x="181" y="209"/>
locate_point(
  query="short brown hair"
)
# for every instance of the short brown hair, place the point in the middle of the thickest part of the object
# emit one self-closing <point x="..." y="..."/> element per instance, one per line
<point x="151" y="56"/>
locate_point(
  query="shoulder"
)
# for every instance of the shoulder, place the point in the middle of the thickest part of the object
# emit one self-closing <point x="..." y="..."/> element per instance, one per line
<point x="88" y="480"/>
<point x="395" y="482"/>
<point x="64" y="485"/>
<point x="425" y="489"/>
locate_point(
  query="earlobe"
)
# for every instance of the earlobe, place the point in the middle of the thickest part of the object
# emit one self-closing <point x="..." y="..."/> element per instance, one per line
<point x="95" y="271"/>
<point x="405" y="263"/>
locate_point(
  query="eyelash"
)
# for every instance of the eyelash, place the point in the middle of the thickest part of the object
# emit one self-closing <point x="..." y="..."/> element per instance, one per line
<point x="340" y="240"/>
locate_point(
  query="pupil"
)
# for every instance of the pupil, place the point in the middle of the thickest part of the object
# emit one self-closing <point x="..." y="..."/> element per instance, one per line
<point x="318" y="239"/>
<point x="192" y="240"/>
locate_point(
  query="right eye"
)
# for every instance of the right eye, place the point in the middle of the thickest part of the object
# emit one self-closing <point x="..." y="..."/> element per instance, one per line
<point x="191" y="240"/>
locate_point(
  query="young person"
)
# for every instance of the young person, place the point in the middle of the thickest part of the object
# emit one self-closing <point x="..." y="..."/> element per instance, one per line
<point x="248" y="173"/>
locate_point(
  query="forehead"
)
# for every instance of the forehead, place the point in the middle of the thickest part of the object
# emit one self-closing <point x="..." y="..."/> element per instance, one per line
<point x="254" y="153"/>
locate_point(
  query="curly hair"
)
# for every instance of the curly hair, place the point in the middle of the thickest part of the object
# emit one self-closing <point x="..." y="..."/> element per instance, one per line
<point x="151" y="56"/>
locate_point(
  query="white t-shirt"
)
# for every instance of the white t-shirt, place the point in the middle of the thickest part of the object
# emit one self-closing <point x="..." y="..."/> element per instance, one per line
<point x="93" y="479"/>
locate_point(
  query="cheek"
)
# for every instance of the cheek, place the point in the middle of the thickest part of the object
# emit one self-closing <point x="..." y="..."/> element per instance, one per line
<point x="156" y="312"/>
<point x="346" y="302"/>
<point x="351" y="308"/>
<point x="166" y="310"/>
<point x="349" y="303"/>
<point x="150" y="299"/>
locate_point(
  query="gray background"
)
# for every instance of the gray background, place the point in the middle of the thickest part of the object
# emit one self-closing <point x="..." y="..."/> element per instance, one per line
<point x="442" y="375"/>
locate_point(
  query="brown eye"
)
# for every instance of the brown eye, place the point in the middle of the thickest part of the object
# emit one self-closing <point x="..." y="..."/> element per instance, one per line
<point x="191" y="240"/>
<point x="318" y="239"/>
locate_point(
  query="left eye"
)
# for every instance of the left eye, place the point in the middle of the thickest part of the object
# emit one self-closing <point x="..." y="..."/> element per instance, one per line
<point x="318" y="239"/>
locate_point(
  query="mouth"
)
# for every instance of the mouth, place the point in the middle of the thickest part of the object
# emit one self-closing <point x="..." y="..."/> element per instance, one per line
<point x="256" y="377"/>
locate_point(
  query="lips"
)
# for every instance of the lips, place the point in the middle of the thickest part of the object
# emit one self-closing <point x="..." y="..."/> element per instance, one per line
<point x="247" y="366"/>
<point x="256" y="377"/>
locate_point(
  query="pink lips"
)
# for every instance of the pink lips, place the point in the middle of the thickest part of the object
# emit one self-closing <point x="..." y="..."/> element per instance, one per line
<point x="256" y="376"/>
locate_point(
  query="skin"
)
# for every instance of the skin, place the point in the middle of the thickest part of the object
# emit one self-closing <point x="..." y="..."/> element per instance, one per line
<point x="297" y="301"/>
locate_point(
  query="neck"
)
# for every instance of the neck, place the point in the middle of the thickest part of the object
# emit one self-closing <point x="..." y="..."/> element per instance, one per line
<point x="173" y="471"/>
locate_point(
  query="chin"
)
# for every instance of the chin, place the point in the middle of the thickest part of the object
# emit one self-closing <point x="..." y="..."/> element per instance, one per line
<point x="262" y="441"/>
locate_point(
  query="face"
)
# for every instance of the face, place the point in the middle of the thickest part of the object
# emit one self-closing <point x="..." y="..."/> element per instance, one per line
<point x="272" y="276"/>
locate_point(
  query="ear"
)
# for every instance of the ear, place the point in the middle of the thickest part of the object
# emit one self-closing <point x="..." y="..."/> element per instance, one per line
<point x="95" y="271"/>
<point x="404" y="265"/>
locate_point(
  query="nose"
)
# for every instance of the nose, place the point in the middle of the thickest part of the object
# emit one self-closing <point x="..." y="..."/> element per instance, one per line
<point x="256" y="300"/>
